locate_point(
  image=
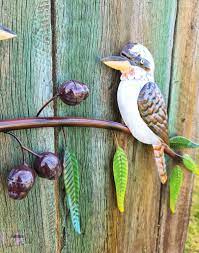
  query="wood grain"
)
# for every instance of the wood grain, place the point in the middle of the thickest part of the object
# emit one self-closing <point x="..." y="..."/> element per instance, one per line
<point x="42" y="55"/>
<point x="183" y="114"/>
<point x="85" y="32"/>
<point x="25" y="83"/>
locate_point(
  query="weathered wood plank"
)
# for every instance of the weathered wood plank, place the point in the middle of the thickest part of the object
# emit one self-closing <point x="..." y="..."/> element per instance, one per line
<point x="86" y="31"/>
<point x="25" y="74"/>
<point x="183" y="116"/>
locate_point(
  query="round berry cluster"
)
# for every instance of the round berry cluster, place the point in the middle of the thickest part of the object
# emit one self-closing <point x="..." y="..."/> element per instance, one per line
<point x="47" y="164"/>
<point x="21" y="178"/>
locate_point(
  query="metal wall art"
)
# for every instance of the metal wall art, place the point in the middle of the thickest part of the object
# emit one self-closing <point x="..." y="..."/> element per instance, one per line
<point x="144" y="112"/>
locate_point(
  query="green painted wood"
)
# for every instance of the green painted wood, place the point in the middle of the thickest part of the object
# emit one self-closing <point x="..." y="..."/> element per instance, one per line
<point x="183" y="119"/>
<point x="25" y="83"/>
<point x="86" y="31"/>
<point x="83" y="32"/>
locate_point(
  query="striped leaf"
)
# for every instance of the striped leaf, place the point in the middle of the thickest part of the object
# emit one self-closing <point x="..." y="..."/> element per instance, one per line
<point x="175" y="183"/>
<point x="71" y="182"/>
<point x="120" y="172"/>
<point x="182" y="142"/>
<point x="190" y="164"/>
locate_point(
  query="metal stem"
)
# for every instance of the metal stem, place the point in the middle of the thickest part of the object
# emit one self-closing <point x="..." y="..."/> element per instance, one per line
<point x="22" y="146"/>
<point x="30" y="151"/>
<point x="26" y="123"/>
<point x="48" y="102"/>
<point x="22" y="150"/>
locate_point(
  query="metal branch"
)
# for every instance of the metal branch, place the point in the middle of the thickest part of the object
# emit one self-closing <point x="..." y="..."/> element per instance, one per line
<point x="26" y="123"/>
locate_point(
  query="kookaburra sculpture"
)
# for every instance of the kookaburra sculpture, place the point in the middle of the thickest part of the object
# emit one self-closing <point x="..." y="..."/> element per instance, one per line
<point x="6" y="33"/>
<point x="140" y="101"/>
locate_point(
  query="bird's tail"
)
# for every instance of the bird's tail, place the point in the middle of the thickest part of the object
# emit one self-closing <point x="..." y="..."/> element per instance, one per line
<point x="160" y="162"/>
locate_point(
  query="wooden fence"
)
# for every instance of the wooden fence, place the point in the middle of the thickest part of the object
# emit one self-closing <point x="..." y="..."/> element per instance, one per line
<point x="59" y="40"/>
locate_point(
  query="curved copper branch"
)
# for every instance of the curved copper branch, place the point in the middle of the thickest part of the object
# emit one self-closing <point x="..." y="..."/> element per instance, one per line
<point x="25" y="123"/>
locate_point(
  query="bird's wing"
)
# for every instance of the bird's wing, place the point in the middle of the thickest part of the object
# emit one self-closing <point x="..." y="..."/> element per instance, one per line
<point x="153" y="111"/>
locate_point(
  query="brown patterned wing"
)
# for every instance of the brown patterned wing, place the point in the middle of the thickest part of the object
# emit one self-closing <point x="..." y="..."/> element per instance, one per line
<point x="153" y="110"/>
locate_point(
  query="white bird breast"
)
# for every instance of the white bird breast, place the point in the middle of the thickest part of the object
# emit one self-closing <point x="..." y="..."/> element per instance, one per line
<point x="127" y="96"/>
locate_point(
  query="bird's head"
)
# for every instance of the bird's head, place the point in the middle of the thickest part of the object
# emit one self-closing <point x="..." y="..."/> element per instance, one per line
<point x="132" y="56"/>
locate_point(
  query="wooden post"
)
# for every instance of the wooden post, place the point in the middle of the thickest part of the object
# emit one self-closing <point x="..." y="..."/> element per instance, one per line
<point x="25" y="83"/>
<point x="62" y="40"/>
<point x="183" y="119"/>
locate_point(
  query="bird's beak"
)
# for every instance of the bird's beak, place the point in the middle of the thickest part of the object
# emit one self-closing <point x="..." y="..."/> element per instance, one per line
<point x="117" y="62"/>
<point x="6" y="33"/>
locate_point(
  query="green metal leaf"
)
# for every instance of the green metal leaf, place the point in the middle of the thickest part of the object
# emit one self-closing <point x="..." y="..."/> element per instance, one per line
<point x="120" y="172"/>
<point x="72" y="186"/>
<point x="175" y="183"/>
<point x="182" y="142"/>
<point x="190" y="164"/>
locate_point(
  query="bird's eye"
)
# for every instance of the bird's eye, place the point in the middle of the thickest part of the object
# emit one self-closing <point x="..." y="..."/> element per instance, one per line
<point x="141" y="62"/>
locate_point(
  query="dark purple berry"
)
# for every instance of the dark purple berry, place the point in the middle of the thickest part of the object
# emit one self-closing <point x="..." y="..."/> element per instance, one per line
<point x="48" y="165"/>
<point x="20" y="181"/>
<point x="73" y="92"/>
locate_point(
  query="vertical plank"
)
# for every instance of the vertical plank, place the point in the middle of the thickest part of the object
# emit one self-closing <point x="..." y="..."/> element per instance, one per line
<point x="86" y="31"/>
<point x="183" y="116"/>
<point x="25" y="83"/>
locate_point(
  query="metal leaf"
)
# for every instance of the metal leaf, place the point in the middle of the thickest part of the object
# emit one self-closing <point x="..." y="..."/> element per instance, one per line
<point x="120" y="171"/>
<point x="182" y="142"/>
<point x="72" y="186"/>
<point x="190" y="164"/>
<point x="175" y="184"/>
